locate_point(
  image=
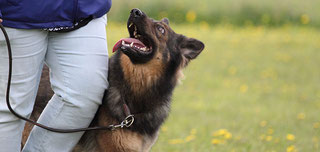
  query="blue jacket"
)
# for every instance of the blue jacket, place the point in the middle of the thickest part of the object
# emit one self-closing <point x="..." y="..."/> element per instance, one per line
<point x="31" y="14"/>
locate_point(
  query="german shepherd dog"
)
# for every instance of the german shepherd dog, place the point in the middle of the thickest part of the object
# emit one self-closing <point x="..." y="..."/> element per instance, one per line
<point x="142" y="73"/>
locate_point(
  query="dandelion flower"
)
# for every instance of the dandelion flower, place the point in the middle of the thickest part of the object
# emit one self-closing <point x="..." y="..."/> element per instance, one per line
<point x="204" y="25"/>
<point x="291" y="148"/>
<point x="316" y="125"/>
<point x="315" y="139"/>
<point x="190" y="138"/>
<point x="164" y="129"/>
<point x="217" y="141"/>
<point x="290" y="137"/>
<point x="191" y="16"/>
<point x="193" y="131"/>
<point x="270" y="131"/>
<point x="301" y="116"/>
<point x="305" y="19"/>
<point x="176" y="141"/>
<point x="232" y="70"/>
<point x="243" y="88"/>
<point x="228" y="135"/>
<point x="220" y="132"/>
<point x="263" y="123"/>
<point x="268" y="138"/>
<point x="262" y="137"/>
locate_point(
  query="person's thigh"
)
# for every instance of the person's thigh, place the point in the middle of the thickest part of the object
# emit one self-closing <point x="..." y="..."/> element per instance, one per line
<point x="78" y="63"/>
<point x="28" y="51"/>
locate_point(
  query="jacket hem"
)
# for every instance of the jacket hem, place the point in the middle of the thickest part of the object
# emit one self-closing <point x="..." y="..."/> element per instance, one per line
<point x="26" y="25"/>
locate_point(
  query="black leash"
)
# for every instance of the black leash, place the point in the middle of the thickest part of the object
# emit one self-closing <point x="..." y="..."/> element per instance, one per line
<point x="127" y="122"/>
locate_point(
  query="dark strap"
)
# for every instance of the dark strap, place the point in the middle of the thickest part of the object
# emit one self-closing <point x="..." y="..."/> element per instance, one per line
<point x="127" y="122"/>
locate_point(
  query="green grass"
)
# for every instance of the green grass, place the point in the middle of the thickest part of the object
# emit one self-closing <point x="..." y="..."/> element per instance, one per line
<point x="258" y="83"/>
<point x="236" y="12"/>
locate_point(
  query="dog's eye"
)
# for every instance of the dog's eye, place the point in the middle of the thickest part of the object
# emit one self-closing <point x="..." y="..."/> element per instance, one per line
<point x="161" y="29"/>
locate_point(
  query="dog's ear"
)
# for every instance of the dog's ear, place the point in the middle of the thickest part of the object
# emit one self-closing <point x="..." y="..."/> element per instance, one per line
<point x="165" y="20"/>
<point x="190" y="47"/>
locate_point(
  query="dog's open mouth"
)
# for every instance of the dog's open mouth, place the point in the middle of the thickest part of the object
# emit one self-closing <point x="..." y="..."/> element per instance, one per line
<point x="137" y="42"/>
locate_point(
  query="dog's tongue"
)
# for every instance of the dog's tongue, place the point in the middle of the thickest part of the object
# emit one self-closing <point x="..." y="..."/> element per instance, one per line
<point x="128" y="41"/>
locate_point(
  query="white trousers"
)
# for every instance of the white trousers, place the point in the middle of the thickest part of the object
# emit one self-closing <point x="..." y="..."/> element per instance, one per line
<point x="78" y="63"/>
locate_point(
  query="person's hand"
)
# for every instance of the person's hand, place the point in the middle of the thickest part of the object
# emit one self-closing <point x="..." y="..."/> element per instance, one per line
<point x="0" y="20"/>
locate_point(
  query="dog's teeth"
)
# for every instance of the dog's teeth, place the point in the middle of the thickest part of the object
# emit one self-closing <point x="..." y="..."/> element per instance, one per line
<point x="130" y="24"/>
<point x="131" y="44"/>
<point x="143" y="49"/>
<point x="123" y="43"/>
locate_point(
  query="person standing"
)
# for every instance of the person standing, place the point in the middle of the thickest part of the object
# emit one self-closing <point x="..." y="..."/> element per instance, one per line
<point x="69" y="36"/>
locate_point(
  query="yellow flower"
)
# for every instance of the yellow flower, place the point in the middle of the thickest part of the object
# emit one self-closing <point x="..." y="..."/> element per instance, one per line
<point x="268" y="138"/>
<point x="204" y="25"/>
<point x="290" y="137"/>
<point x="228" y="135"/>
<point x="176" y="141"/>
<point x="243" y="88"/>
<point x="222" y="135"/>
<point x="305" y="19"/>
<point x="291" y="148"/>
<point x="270" y="131"/>
<point x="220" y="132"/>
<point x="232" y="70"/>
<point x="316" y="125"/>
<point x="263" y="123"/>
<point x="191" y="16"/>
<point x="189" y="138"/>
<point x="301" y="116"/>
<point x="164" y="129"/>
<point x="217" y="141"/>
<point x="193" y="131"/>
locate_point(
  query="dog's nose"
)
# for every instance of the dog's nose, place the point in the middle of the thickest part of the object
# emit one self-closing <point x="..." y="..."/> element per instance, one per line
<point x="136" y="12"/>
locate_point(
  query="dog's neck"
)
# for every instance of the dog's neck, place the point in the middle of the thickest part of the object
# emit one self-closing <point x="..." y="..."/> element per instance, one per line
<point x="140" y="77"/>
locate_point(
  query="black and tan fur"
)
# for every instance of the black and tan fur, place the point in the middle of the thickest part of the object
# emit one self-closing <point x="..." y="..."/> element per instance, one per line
<point x="145" y="81"/>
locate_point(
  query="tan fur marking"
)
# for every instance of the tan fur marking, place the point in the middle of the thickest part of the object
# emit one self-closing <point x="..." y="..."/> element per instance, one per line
<point x="119" y="140"/>
<point x="142" y="76"/>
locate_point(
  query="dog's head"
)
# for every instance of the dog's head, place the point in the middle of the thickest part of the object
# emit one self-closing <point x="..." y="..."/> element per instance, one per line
<point x="150" y="39"/>
<point x="154" y="53"/>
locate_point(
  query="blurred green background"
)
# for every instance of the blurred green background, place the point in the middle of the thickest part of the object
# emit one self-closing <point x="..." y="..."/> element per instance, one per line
<point x="236" y="12"/>
<point x="255" y="87"/>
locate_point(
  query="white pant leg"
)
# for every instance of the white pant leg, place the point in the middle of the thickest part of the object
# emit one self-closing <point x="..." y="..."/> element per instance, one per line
<point x="28" y="50"/>
<point x="78" y="61"/>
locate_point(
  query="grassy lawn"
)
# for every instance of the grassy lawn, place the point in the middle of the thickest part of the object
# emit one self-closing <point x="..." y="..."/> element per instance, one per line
<point x="253" y="89"/>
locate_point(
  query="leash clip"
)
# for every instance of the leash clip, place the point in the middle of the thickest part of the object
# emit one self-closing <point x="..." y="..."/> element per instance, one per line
<point x="127" y="122"/>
